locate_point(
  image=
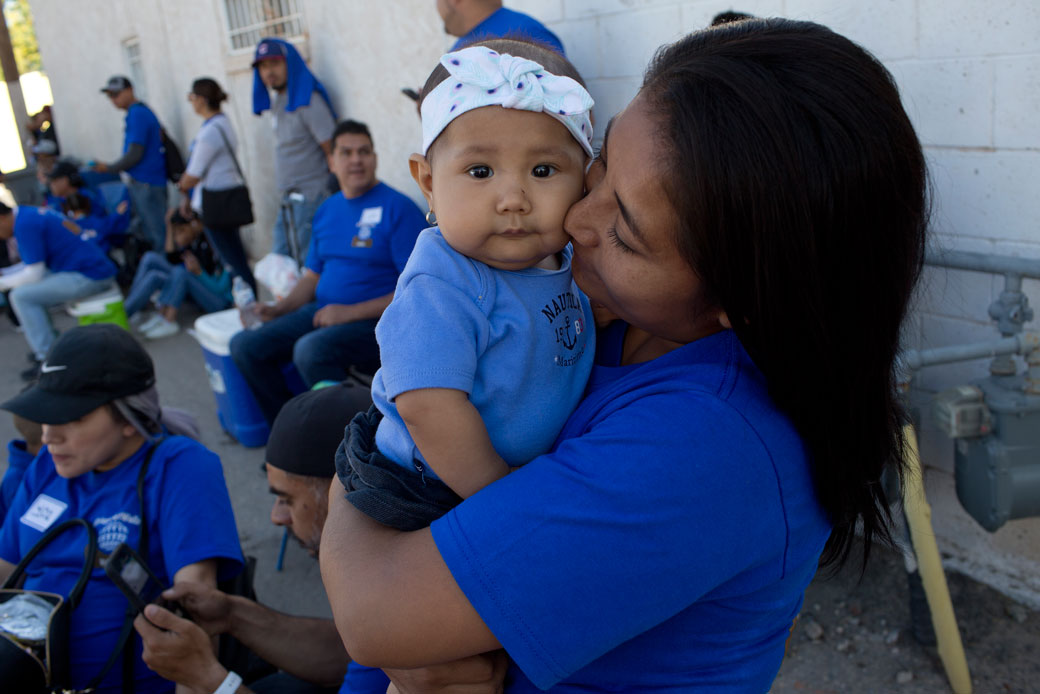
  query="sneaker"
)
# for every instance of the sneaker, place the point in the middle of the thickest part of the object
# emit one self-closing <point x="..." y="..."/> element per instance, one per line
<point x="148" y="323"/>
<point x="139" y="318"/>
<point x="163" y="328"/>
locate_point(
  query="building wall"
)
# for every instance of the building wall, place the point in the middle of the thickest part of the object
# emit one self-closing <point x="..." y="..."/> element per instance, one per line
<point x="969" y="73"/>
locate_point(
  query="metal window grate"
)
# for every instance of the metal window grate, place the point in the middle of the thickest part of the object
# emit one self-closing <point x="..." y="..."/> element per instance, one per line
<point x="132" y="51"/>
<point x="250" y="20"/>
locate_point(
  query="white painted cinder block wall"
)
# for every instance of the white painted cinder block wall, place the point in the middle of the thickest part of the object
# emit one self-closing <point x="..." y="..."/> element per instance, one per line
<point x="969" y="73"/>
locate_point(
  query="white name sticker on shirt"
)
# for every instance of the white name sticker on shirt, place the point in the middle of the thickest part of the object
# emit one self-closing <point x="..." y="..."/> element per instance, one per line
<point x="370" y="216"/>
<point x="43" y="512"/>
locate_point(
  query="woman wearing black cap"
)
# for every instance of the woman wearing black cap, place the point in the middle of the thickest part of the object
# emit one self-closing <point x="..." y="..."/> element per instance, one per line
<point x="103" y="430"/>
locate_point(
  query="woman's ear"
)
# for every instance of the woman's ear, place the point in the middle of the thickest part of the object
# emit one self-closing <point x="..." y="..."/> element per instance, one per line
<point x="724" y="320"/>
<point x="423" y="175"/>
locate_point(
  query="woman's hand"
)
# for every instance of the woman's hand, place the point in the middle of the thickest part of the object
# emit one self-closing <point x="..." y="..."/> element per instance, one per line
<point x="185" y="207"/>
<point x="478" y="674"/>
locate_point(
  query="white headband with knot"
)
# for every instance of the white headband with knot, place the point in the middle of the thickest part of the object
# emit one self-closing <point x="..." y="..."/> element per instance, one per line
<point x="479" y="76"/>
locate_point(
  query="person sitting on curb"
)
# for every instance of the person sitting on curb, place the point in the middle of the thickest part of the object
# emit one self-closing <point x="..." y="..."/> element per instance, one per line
<point x="59" y="267"/>
<point x="188" y="267"/>
<point x="300" y="465"/>
<point x="326" y="325"/>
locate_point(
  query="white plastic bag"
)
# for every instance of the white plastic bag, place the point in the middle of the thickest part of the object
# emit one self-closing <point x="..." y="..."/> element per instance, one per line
<point x="278" y="273"/>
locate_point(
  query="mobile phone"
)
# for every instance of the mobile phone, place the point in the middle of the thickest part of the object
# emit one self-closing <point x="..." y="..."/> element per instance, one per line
<point x="137" y="582"/>
<point x="410" y="93"/>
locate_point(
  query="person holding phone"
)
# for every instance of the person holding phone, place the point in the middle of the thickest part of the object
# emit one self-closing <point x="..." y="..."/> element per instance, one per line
<point x="103" y="431"/>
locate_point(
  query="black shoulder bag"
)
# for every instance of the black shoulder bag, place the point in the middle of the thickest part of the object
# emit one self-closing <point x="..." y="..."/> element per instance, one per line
<point x="230" y="208"/>
<point x="44" y="666"/>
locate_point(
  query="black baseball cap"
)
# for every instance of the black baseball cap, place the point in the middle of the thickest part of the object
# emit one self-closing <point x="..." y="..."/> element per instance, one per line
<point x="86" y="368"/>
<point x="115" y="84"/>
<point x="309" y="429"/>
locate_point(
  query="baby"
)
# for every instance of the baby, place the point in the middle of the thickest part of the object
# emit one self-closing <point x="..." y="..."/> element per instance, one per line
<point x="488" y="343"/>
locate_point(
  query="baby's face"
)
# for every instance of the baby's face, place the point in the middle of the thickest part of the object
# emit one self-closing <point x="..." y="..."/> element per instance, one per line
<point x="503" y="180"/>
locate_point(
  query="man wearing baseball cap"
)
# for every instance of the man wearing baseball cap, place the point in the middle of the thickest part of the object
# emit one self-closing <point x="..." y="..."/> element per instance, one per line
<point x="143" y="159"/>
<point x="303" y="118"/>
<point x="300" y="465"/>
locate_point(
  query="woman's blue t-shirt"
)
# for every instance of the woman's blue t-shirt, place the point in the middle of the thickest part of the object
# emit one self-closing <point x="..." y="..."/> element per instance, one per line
<point x="663" y="545"/>
<point x="189" y="519"/>
<point x="48" y="237"/>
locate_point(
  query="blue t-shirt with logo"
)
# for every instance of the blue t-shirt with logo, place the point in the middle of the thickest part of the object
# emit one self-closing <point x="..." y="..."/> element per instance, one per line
<point x="189" y="519"/>
<point x="505" y="22"/>
<point x="664" y="545"/>
<point x="519" y="343"/>
<point x="142" y="128"/>
<point x="359" y="246"/>
<point x="48" y="237"/>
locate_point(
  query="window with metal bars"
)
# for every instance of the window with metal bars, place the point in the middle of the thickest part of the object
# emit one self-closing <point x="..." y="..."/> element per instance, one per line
<point x="248" y="21"/>
<point x="132" y="51"/>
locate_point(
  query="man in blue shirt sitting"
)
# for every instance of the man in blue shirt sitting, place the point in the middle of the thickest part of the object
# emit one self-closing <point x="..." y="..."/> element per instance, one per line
<point x="143" y="159"/>
<point x="473" y="20"/>
<point x="59" y="266"/>
<point x="360" y="241"/>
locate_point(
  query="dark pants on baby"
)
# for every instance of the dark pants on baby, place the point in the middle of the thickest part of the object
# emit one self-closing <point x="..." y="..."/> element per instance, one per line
<point x="406" y="498"/>
<point x="320" y="354"/>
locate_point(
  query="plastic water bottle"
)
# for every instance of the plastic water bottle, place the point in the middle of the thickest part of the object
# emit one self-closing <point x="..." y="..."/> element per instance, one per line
<point x="245" y="301"/>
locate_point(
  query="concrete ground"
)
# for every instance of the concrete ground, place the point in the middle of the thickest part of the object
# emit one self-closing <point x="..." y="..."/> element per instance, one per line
<point x="853" y="636"/>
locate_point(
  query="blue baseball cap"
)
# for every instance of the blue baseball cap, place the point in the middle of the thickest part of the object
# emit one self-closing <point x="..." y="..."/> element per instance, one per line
<point x="269" y="49"/>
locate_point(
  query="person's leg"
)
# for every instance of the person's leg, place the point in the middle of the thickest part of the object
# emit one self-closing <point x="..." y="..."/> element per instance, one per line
<point x="303" y="215"/>
<point x="150" y="205"/>
<point x="260" y="354"/>
<point x="30" y="303"/>
<point x="150" y="276"/>
<point x="175" y="288"/>
<point x="279" y="243"/>
<point x="328" y="353"/>
<point x="227" y="242"/>
<point x="208" y="300"/>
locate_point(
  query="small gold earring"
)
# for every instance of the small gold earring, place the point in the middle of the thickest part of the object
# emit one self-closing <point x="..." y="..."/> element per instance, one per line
<point x="431" y="222"/>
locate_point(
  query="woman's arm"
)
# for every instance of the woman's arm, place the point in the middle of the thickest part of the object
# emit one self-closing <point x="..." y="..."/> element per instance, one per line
<point x="378" y="579"/>
<point x="186" y="182"/>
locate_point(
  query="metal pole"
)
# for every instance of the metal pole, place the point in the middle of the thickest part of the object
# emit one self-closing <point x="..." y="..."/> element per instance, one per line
<point x="983" y="262"/>
<point x="14" y="87"/>
<point x="1023" y="343"/>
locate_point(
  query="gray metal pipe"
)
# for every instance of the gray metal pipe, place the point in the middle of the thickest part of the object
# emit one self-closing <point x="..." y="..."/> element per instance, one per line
<point x="983" y="262"/>
<point x="1023" y="343"/>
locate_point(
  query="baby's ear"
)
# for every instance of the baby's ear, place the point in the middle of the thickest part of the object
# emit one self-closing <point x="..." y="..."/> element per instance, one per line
<point x="423" y="175"/>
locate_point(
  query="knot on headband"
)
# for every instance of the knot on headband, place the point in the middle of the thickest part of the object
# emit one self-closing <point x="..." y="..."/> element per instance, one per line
<point x="479" y="76"/>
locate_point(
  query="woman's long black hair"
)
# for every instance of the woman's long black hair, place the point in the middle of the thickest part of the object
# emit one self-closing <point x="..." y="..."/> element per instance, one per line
<point x="802" y="191"/>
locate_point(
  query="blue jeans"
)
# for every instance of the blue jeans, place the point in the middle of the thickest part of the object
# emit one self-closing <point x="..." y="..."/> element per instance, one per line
<point x="150" y="208"/>
<point x="173" y="282"/>
<point x="31" y="301"/>
<point x="302" y="214"/>
<point x="318" y="353"/>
